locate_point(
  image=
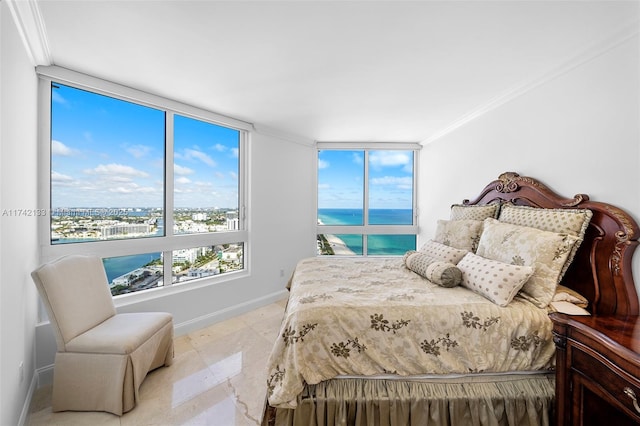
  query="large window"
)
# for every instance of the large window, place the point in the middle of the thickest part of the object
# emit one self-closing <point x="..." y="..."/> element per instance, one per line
<point x="366" y="199"/>
<point x="154" y="187"/>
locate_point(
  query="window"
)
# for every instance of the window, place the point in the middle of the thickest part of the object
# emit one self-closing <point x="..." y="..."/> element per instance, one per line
<point x="154" y="187"/>
<point x="366" y="199"/>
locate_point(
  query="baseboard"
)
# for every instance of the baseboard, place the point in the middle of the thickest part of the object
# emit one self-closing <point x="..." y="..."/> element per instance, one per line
<point x="230" y="312"/>
<point x="24" y="415"/>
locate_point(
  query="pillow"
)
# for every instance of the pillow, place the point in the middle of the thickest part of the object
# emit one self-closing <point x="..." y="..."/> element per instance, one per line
<point x="462" y="234"/>
<point x="474" y="212"/>
<point x="565" y="294"/>
<point x="563" y="221"/>
<point x="545" y="251"/>
<point x="567" y="308"/>
<point x="443" y="252"/>
<point x="497" y="281"/>
<point x="444" y="274"/>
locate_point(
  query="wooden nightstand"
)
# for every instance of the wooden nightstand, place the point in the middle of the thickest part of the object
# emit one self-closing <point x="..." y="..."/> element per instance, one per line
<point x="597" y="369"/>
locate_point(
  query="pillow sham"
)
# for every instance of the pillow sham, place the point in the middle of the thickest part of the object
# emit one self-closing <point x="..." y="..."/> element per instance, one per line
<point x="545" y="251"/>
<point x="443" y="252"/>
<point x="444" y="274"/>
<point x="474" y="212"/>
<point x="462" y="234"/>
<point x="497" y="281"/>
<point x="567" y="308"/>
<point x="563" y="221"/>
<point x="565" y="294"/>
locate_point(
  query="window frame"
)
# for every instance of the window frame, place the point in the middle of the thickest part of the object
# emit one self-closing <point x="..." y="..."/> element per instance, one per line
<point x="170" y="241"/>
<point x="365" y="230"/>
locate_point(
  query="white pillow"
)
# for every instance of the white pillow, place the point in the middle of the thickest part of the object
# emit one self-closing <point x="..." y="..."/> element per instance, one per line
<point x="474" y="211"/>
<point x="545" y="251"/>
<point x="443" y="252"/>
<point x="497" y="281"/>
<point x="463" y="234"/>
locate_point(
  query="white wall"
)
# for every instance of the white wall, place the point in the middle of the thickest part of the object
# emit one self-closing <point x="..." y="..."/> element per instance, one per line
<point x="577" y="133"/>
<point x="18" y="239"/>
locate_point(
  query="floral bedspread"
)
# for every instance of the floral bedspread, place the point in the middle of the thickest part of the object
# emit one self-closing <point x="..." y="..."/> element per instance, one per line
<point x="369" y="316"/>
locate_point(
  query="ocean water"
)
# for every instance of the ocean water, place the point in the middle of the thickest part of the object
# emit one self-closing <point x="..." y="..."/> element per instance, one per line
<point x="377" y="244"/>
<point x="117" y="266"/>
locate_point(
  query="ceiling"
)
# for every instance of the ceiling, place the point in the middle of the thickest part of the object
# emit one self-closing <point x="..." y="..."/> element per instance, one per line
<point x="333" y="70"/>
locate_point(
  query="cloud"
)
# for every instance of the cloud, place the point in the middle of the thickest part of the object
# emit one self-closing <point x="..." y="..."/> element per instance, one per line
<point x="199" y="155"/>
<point x="59" y="177"/>
<point x="183" y="180"/>
<point x="138" y="151"/>
<point x="219" y="147"/>
<point x="181" y="170"/>
<point x="322" y="164"/>
<point x="401" y="182"/>
<point x="58" y="98"/>
<point x="113" y="169"/>
<point x="389" y="158"/>
<point x="235" y="152"/>
<point x="58" y="148"/>
<point x="357" y="158"/>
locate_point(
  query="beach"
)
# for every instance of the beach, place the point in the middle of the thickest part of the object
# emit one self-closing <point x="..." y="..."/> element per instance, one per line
<point x="338" y="246"/>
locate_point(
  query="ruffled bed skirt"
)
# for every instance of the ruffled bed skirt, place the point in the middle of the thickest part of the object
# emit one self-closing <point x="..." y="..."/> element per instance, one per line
<point x="509" y="400"/>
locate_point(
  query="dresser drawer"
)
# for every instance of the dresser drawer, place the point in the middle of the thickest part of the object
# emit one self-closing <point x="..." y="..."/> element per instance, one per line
<point x="617" y="387"/>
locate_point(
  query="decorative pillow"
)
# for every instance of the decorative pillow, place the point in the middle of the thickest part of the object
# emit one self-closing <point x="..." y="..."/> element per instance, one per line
<point x="444" y="274"/>
<point x="563" y="221"/>
<point x="497" y="281"/>
<point x="545" y="251"/>
<point x="463" y="234"/>
<point x="567" y="308"/>
<point x="443" y="252"/>
<point x="565" y="294"/>
<point x="474" y="212"/>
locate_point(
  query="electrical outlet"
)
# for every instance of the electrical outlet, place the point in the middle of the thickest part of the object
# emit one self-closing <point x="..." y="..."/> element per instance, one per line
<point x="282" y="272"/>
<point x="21" y="371"/>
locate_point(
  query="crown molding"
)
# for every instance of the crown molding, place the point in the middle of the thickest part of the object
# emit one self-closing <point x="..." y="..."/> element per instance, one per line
<point x="595" y="50"/>
<point x="30" y="24"/>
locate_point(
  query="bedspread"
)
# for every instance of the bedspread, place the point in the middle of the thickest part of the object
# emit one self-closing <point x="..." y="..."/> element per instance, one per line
<point x="370" y="316"/>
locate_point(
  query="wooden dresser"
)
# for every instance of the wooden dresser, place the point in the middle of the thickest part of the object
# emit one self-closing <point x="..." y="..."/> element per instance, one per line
<point x="597" y="369"/>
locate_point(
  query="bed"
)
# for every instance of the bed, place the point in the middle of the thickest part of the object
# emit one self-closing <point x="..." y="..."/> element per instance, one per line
<point x="456" y="332"/>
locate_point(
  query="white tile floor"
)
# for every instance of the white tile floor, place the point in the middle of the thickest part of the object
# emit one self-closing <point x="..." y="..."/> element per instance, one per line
<point x="218" y="378"/>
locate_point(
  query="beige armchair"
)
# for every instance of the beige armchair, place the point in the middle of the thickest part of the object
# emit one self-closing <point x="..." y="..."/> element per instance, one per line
<point x="102" y="356"/>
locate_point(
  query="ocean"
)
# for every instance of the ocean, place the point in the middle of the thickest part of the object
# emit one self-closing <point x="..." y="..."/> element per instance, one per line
<point x="117" y="266"/>
<point x="377" y="244"/>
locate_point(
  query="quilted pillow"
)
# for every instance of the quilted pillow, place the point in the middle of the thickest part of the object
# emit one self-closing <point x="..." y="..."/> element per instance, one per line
<point x="462" y="234"/>
<point x="444" y="274"/>
<point x="474" y="212"/>
<point x="563" y="221"/>
<point x="545" y="251"/>
<point x="443" y="252"/>
<point x="497" y="281"/>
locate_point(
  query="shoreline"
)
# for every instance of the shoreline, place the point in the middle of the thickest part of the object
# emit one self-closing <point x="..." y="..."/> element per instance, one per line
<point x="338" y="246"/>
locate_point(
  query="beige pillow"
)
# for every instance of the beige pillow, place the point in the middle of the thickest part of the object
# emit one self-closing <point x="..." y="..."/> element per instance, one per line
<point x="567" y="308"/>
<point x="474" y="212"/>
<point x="444" y="274"/>
<point x="565" y="294"/>
<point x="443" y="252"/>
<point x="563" y="221"/>
<point x="545" y="251"/>
<point x="463" y="234"/>
<point x="497" y="281"/>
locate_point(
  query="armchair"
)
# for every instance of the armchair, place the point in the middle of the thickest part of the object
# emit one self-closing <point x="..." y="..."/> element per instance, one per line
<point x="102" y="356"/>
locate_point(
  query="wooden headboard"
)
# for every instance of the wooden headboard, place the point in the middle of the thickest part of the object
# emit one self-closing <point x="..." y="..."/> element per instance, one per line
<point x="601" y="269"/>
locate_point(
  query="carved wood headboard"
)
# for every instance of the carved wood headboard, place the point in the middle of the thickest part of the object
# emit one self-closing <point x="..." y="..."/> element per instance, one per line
<point x="602" y="268"/>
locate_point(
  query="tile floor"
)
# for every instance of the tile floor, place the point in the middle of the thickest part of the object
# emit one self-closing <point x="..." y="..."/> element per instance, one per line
<point x="218" y="378"/>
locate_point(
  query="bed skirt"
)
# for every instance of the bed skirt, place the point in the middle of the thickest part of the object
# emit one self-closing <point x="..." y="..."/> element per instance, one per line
<point x="509" y="400"/>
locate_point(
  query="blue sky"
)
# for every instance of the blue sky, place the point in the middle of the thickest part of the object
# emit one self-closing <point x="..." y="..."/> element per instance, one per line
<point x="110" y="153"/>
<point x="341" y="176"/>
